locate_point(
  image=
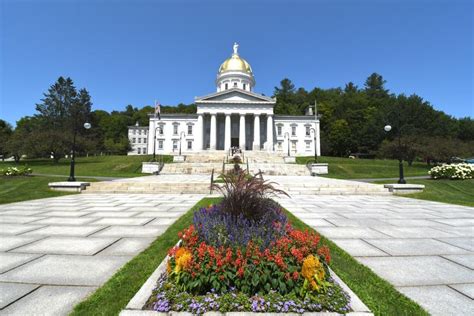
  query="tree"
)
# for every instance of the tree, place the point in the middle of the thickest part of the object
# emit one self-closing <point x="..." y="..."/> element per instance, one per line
<point x="375" y="87"/>
<point x="5" y="133"/>
<point x="339" y="137"/>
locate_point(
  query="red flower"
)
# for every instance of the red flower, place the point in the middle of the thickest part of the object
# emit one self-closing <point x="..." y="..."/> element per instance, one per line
<point x="325" y="253"/>
<point x="295" y="275"/>
<point x="240" y="272"/>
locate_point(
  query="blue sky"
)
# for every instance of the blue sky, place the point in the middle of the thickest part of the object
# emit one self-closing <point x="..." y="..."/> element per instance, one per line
<point x="132" y="52"/>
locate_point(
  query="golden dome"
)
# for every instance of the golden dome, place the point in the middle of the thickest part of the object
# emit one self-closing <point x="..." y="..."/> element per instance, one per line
<point x="235" y="63"/>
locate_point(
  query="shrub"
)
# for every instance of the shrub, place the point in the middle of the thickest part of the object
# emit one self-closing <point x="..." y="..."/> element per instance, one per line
<point x="16" y="171"/>
<point x="459" y="171"/>
<point x="247" y="196"/>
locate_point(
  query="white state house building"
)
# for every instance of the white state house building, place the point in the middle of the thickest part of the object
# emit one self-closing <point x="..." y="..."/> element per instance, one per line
<point x="233" y="116"/>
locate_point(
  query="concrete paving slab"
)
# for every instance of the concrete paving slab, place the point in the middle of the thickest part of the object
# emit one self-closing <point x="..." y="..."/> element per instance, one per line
<point x="413" y="232"/>
<point x="318" y="222"/>
<point x="65" y="214"/>
<point x="67" y="245"/>
<point x="162" y="221"/>
<point x="131" y="231"/>
<point x="65" y="221"/>
<point x="346" y="222"/>
<point x="412" y="247"/>
<point x="358" y="248"/>
<point x="466" y="243"/>
<point x="350" y="232"/>
<point x="112" y="214"/>
<point x="66" y="270"/>
<point x="10" y="292"/>
<point x="11" y="242"/>
<point x="15" y="229"/>
<point x="127" y="247"/>
<point x="10" y="261"/>
<point x="466" y="289"/>
<point x="64" y="230"/>
<point x="457" y="221"/>
<point x="49" y="300"/>
<point x="458" y="231"/>
<point x="132" y="221"/>
<point x="440" y="300"/>
<point x="418" y="271"/>
<point x="465" y="260"/>
<point x="15" y="219"/>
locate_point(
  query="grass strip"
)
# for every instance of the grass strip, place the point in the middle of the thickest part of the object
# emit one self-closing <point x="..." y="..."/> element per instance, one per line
<point x="379" y="295"/>
<point x="115" y="294"/>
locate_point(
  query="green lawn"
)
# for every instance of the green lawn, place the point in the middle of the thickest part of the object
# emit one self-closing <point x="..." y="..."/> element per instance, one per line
<point x="448" y="191"/>
<point x="105" y="166"/>
<point x="15" y="189"/>
<point x="381" y="297"/>
<point x="345" y="168"/>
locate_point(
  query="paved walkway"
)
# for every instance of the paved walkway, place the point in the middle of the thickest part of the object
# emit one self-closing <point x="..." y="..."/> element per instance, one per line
<point x="425" y="249"/>
<point x="56" y="251"/>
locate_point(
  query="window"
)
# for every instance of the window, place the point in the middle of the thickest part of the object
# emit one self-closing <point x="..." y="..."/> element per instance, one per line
<point x="308" y="145"/>
<point x="235" y="84"/>
<point x="293" y="131"/>
<point x="190" y="145"/>
<point x="134" y="140"/>
<point x="139" y="132"/>
<point x="175" y="144"/>
<point x="134" y="131"/>
<point x="139" y="151"/>
<point x="144" y="132"/>
<point x="226" y="86"/>
<point x="308" y="131"/>
<point x="293" y="145"/>
<point x="245" y="86"/>
<point x="139" y="140"/>
<point x="279" y="130"/>
<point x="144" y="140"/>
<point x="160" y="129"/>
<point x="175" y="129"/>
<point x="279" y="145"/>
<point x="160" y="144"/>
<point x="190" y="129"/>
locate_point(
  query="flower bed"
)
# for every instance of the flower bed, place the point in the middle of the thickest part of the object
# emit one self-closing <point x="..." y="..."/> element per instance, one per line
<point x="242" y="255"/>
<point x="459" y="171"/>
<point x="16" y="171"/>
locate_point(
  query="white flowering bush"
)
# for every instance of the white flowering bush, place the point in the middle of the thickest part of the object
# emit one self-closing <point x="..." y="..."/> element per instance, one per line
<point x="458" y="171"/>
<point x="16" y="171"/>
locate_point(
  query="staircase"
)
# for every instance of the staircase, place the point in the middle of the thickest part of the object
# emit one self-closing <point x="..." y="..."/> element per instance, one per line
<point x="205" y="162"/>
<point x="307" y="185"/>
<point x="187" y="184"/>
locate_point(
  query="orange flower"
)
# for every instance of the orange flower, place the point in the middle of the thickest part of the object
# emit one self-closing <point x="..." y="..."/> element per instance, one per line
<point x="183" y="259"/>
<point x="313" y="271"/>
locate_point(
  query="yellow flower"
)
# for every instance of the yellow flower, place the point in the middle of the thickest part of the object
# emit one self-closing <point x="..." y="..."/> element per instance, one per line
<point x="168" y="267"/>
<point x="183" y="258"/>
<point x="313" y="271"/>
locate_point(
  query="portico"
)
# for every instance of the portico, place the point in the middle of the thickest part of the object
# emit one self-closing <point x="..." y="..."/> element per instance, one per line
<point x="221" y="131"/>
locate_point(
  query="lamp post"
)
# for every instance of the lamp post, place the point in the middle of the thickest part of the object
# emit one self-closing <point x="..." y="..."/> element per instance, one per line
<point x="154" y="143"/>
<point x="180" y="137"/>
<point x="73" y="153"/>
<point x="388" y="128"/>
<point x="315" y="151"/>
<point x="288" y="142"/>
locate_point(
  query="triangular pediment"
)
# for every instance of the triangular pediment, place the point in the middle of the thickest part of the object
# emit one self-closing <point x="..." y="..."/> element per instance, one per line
<point x="234" y="95"/>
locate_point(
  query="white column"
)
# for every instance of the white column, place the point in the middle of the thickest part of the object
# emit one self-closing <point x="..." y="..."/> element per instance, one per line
<point x="242" y="132"/>
<point x="213" y="132"/>
<point x="256" y="132"/>
<point x="227" y="132"/>
<point x="269" y="132"/>
<point x="200" y="132"/>
<point x="318" y="140"/>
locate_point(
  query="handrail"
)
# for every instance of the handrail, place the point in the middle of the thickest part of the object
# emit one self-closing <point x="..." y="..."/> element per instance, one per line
<point x="248" y="170"/>
<point x="223" y="166"/>
<point x="212" y="181"/>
